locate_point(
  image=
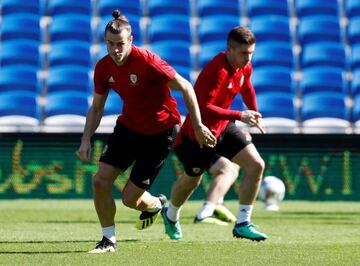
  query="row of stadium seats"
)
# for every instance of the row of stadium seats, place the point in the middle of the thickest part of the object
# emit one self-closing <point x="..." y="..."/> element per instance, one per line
<point x="308" y="51"/>
<point x="300" y="8"/>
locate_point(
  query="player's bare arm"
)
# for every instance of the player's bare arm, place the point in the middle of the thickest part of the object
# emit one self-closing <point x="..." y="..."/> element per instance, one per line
<point x="93" y="119"/>
<point x="202" y="133"/>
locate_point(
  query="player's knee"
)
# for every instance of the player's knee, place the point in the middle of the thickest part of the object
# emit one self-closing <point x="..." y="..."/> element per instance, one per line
<point x="258" y="166"/>
<point x="129" y="201"/>
<point x="101" y="183"/>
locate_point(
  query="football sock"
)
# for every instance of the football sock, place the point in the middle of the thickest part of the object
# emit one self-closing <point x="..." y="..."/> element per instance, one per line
<point x="109" y="233"/>
<point x="173" y="213"/>
<point x="244" y="214"/>
<point x="157" y="205"/>
<point x="206" y="210"/>
<point x="221" y="200"/>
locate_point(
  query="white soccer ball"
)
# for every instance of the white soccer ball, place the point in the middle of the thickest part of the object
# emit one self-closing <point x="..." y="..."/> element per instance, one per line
<point x="272" y="191"/>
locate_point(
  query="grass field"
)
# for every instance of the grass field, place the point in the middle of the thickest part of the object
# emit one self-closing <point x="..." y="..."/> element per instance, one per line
<point x="60" y="232"/>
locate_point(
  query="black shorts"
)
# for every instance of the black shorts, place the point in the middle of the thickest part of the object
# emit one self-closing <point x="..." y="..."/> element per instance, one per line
<point x="147" y="152"/>
<point x="197" y="160"/>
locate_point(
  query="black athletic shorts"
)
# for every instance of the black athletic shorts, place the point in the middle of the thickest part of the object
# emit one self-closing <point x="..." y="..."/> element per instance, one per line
<point x="147" y="152"/>
<point x="197" y="160"/>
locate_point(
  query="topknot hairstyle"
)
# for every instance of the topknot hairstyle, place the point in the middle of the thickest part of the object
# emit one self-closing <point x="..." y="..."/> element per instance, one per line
<point x="118" y="24"/>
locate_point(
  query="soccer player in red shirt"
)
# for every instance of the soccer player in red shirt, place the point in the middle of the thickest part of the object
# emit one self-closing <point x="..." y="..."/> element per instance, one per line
<point x="226" y="75"/>
<point x="145" y="131"/>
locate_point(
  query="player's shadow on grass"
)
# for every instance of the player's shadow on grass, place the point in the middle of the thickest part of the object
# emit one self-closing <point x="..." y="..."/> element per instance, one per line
<point x="60" y="241"/>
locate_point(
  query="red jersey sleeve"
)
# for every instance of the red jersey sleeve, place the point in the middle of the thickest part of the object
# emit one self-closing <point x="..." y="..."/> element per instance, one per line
<point x="163" y="71"/>
<point x="213" y="82"/>
<point x="247" y="91"/>
<point x="100" y="82"/>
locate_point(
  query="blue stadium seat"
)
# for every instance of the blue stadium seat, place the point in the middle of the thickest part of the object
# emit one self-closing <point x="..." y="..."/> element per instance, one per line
<point x="178" y="96"/>
<point x="272" y="79"/>
<point x="355" y="83"/>
<point x="316" y="7"/>
<point x="17" y="6"/>
<point x="238" y="103"/>
<point x="56" y="7"/>
<point x="277" y="104"/>
<point x="12" y="27"/>
<point x="355" y="117"/>
<point x="319" y="28"/>
<point x="20" y="52"/>
<point x="217" y="7"/>
<point x="323" y="79"/>
<point x="271" y="28"/>
<point x="167" y="7"/>
<point x="352" y="8"/>
<point x="354" y="31"/>
<point x="163" y="28"/>
<point x="273" y="53"/>
<point x="355" y="57"/>
<point x="65" y="111"/>
<point x="135" y="28"/>
<point x="183" y="71"/>
<point x="278" y="111"/>
<point x="324" y="104"/>
<point x="69" y="53"/>
<point x="208" y="51"/>
<point x="70" y="27"/>
<point x="325" y="112"/>
<point x="113" y="105"/>
<point x="324" y="54"/>
<point x="19" y="77"/>
<point x="106" y="7"/>
<point x="173" y="52"/>
<point x="68" y="78"/>
<point x="216" y="27"/>
<point x="19" y="102"/>
<point x="267" y="7"/>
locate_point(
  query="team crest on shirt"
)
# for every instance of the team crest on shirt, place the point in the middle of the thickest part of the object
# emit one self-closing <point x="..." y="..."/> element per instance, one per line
<point x="133" y="79"/>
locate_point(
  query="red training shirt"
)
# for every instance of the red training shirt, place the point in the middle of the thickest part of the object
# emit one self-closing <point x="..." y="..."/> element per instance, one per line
<point x="148" y="107"/>
<point x="215" y="88"/>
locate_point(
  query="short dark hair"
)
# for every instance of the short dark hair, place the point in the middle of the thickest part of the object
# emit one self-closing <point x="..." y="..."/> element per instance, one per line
<point x="118" y="24"/>
<point x="241" y="35"/>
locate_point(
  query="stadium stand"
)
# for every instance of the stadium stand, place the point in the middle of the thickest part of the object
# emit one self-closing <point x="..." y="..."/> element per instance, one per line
<point x="19" y="111"/>
<point x="70" y="27"/>
<point x="57" y="7"/>
<point x="279" y="112"/>
<point x="19" y="77"/>
<point x="167" y="7"/>
<point x="30" y="54"/>
<point x="65" y="111"/>
<point x="267" y="7"/>
<point x="12" y="29"/>
<point x="132" y="8"/>
<point x="325" y="112"/>
<point x="217" y="7"/>
<point x="319" y="28"/>
<point x="324" y="54"/>
<point x="303" y="47"/>
<point x="314" y="7"/>
<point x="68" y="78"/>
<point x="271" y="28"/>
<point x="273" y="53"/>
<point x="162" y="28"/>
<point x="263" y="80"/>
<point x="323" y="79"/>
<point x="69" y="53"/>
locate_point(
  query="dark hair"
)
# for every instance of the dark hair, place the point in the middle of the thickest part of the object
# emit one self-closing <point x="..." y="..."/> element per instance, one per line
<point x="241" y="35"/>
<point x="118" y="24"/>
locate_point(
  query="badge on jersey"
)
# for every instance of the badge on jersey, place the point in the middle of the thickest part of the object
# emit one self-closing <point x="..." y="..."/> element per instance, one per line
<point x="133" y="79"/>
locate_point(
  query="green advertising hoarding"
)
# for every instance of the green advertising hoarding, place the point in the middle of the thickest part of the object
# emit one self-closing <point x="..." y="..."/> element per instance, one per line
<point x="45" y="166"/>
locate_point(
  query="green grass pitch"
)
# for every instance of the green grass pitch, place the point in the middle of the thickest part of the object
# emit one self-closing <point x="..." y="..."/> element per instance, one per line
<point x="60" y="232"/>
